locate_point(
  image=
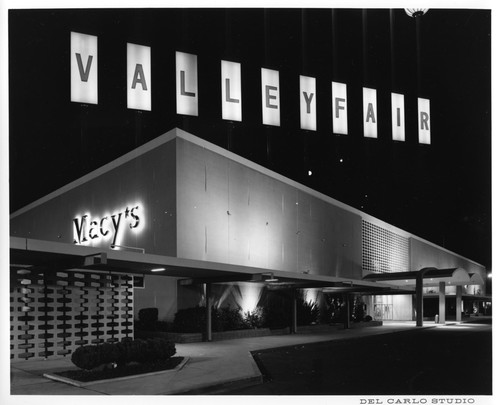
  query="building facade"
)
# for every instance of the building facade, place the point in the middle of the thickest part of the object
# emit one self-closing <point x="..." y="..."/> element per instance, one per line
<point x="157" y="225"/>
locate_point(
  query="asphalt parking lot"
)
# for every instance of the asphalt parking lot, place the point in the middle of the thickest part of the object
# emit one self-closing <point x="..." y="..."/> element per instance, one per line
<point x="452" y="359"/>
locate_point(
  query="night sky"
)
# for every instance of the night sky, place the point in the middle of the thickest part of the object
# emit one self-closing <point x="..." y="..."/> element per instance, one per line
<point x="441" y="192"/>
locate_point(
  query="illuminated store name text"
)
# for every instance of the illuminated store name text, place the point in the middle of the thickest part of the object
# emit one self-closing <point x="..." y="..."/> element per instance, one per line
<point x="87" y="229"/>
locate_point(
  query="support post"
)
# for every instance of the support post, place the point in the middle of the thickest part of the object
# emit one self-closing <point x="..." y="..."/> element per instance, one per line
<point x="293" y="326"/>
<point x="208" y="313"/>
<point x="419" y="298"/>
<point x="442" y="302"/>
<point x="347" y="320"/>
<point x="458" y="303"/>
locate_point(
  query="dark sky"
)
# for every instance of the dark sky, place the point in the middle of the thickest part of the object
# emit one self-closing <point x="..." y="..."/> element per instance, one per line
<point x="441" y="192"/>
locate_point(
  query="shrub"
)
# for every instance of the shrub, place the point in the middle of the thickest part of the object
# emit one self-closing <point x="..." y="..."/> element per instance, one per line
<point x="307" y="312"/>
<point x="277" y="310"/>
<point x="254" y="319"/>
<point x="333" y="312"/>
<point x="157" y="350"/>
<point x="91" y="356"/>
<point x="148" y="315"/>
<point x="227" y="319"/>
<point x="190" y="320"/>
<point x="193" y="320"/>
<point x="139" y="351"/>
<point x="359" y="309"/>
<point x="130" y="351"/>
<point x="367" y="318"/>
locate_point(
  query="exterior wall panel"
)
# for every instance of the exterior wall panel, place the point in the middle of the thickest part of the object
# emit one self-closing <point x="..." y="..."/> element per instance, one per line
<point x="158" y="292"/>
<point x="424" y="254"/>
<point x="245" y="217"/>
<point x="148" y="179"/>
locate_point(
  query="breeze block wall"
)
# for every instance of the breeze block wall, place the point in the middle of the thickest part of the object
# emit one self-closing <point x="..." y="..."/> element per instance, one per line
<point x="53" y="313"/>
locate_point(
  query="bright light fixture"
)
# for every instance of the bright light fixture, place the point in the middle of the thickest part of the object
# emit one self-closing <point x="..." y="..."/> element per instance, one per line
<point x="489" y="275"/>
<point x="158" y="269"/>
<point x="416" y="12"/>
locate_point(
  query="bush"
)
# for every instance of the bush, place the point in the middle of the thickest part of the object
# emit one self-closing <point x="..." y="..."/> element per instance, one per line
<point x="254" y="319"/>
<point x="139" y="351"/>
<point x="157" y="350"/>
<point x="333" y="312"/>
<point x="130" y="351"/>
<point x="307" y="312"/>
<point x="227" y="319"/>
<point x="190" y="320"/>
<point x="278" y="310"/>
<point x="148" y="316"/>
<point x="91" y="356"/>
<point x="193" y="320"/>
<point x="367" y="318"/>
<point x="359" y="309"/>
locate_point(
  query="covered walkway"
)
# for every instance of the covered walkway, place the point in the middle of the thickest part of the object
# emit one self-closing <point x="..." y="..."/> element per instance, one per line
<point x="431" y="277"/>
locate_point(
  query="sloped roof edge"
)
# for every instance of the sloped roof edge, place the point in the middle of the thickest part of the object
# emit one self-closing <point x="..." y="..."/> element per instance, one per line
<point x="162" y="139"/>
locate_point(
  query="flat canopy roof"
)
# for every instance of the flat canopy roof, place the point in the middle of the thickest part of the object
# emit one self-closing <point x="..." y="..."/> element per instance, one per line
<point x="55" y="256"/>
<point x="431" y="276"/>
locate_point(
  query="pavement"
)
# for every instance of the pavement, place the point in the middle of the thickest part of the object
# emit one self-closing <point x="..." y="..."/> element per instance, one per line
<point x="212" y="367"/>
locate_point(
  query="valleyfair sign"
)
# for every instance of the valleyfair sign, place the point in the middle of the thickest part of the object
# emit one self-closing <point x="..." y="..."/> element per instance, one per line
<point x="84" y="74"/>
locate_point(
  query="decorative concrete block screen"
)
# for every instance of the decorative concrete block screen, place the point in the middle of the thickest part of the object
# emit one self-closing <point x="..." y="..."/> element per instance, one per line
<point x="52" y="313"/>
<point x="383" y="250"/>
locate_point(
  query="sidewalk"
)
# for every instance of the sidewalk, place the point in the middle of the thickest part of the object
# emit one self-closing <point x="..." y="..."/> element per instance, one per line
<point x="212" y="366"/>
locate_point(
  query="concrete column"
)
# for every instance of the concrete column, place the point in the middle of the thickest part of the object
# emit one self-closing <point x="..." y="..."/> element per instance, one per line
<point x="293" y="326"/>
<point x="458" y="303"/>
<point x="419" y="299"/>
<point x="347" y="320"/>
<point x="442" y="302"/>
<point x="208" y="313"/>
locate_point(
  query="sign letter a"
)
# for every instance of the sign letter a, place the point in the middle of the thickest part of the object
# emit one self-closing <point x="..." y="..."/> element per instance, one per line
<point x="139" y="77"/>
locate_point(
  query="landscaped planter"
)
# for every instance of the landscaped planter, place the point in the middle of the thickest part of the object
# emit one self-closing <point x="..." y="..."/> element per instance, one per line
<point x="76" y="383"/>
<point x="245" y="333"/>
<point x="319" y="328"/>
<point x="354" y="325"/>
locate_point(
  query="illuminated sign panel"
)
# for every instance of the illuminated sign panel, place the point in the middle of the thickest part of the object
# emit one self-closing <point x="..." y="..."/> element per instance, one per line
<point x="139" y="77"/>
<point x="270" y="97"/>
<point x="231" y="90"/>
<point x="339" y="107"/>
<point x="83" y="68"/>
<point x="90" y="230"/>
<point x="84" y="89"/>
<point x="424" y="121"/>
<point x="308" y="103"/>
<point x="398" y="116"/>
<point x="186" y="68"/>
<point x="370" y="112"/>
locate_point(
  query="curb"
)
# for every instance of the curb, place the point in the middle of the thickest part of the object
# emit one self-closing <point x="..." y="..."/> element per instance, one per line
<point x="82" y="384"/>
<point x="218" y="387"/>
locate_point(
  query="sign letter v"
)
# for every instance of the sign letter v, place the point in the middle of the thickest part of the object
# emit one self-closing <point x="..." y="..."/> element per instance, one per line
<point x="84" y="74"/>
